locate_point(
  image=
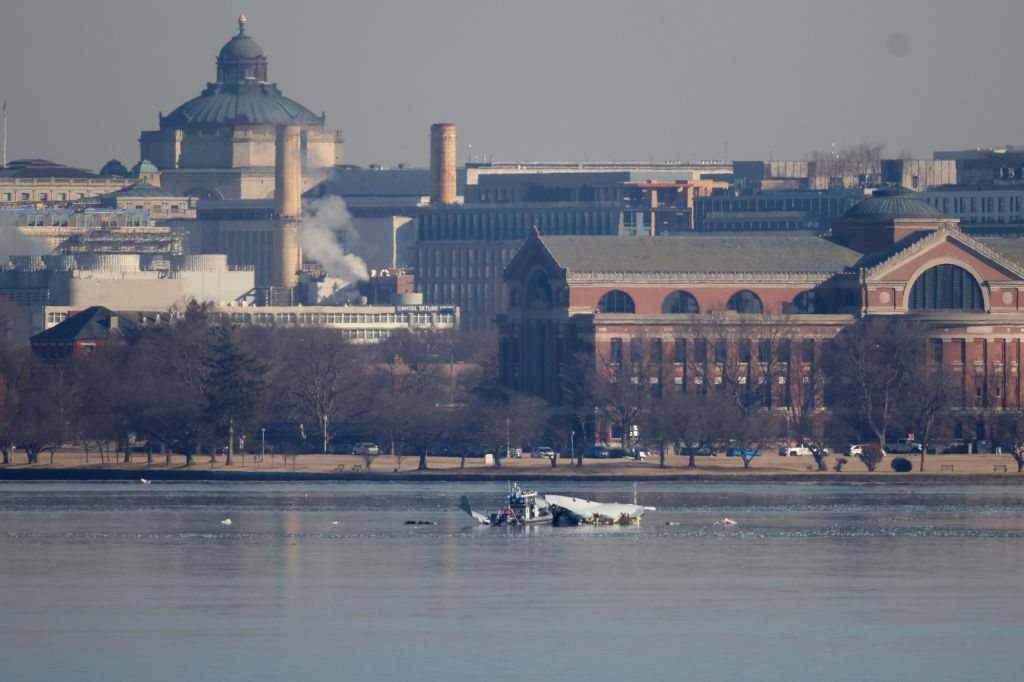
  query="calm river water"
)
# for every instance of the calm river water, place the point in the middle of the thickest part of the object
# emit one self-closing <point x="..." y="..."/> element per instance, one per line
<point x="326" y="581"/>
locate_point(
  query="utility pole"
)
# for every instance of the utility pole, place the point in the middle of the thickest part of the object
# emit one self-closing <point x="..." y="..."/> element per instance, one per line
<point x="451" y="375"/>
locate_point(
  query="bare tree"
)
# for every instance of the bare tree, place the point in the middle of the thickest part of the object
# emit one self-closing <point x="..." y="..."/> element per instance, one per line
<point x="15" y="363"/>
<point x="627" y="381"/>
<point x="929" y="395"/>
<point x="745" y="359"/>
<point x="806" y="416"/>
<point x="39" y="423"/>
<point x="1009" y="433"/>
<point x="871" y="366"/>
<point x="844" y="167"/>
<point x="325" y="379"/>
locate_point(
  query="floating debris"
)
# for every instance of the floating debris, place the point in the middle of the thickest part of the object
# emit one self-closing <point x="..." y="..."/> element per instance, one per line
<point x="226" y="522"/>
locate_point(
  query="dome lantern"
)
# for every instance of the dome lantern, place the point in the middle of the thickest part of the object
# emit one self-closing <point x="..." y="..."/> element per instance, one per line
<point x="241" y="59"/>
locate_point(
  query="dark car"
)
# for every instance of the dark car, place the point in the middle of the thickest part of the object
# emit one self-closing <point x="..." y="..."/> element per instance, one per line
<point x="702" y="451"/>
<point x="618" y="453"/>
<point x="598" y="452"/>
<point x="737" y="452"/>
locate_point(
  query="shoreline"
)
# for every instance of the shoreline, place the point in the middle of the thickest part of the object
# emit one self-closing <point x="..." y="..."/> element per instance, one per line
<point x="73" y="464"/>
<point x="430" y="476"/>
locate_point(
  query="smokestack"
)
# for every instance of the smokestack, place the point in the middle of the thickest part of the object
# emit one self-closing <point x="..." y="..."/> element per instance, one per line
<point x="442" y="163"/>
<point x="287" y="259"/>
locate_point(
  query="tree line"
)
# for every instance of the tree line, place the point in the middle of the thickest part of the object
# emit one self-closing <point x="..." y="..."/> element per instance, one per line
<point x="194" y="386"/>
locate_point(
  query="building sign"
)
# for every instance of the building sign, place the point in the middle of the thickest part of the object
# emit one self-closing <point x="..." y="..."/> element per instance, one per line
<point x="425" y="309"/>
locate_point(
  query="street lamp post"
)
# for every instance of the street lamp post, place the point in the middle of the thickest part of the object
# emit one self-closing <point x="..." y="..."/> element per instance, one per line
<point x="263" y="442"/>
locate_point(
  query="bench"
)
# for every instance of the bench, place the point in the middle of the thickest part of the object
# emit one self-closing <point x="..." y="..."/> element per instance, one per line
<point x="947" y="467"/>
<point x="999" y="467"/>
<point x="340" y="467"/>
<point x="356" y="467"/>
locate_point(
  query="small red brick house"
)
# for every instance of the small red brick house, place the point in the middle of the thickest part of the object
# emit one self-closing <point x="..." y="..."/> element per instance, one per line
<point x="81" y="333"/>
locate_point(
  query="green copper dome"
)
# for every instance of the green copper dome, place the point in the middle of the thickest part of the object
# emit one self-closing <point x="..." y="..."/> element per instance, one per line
<point x="892" y="204"/>
<point x="244" y="106"/>
<point x="241" y="94"/>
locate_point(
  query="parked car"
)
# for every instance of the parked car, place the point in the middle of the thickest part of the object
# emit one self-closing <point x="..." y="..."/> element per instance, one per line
<point x="543" y="452"/>
<point x="639" y="453"/>
<point x="737" y="452"/>
<point x="618" y="453"/>
<point x="798" y="451"/>
<point x="855" y="450"/>
<point x="905" y="446"/>
<point x="365" y="449"/>
<point x="597" y="452"/>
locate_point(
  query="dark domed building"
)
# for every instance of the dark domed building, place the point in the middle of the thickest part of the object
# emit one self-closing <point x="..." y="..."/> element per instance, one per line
<point x="221" y="144"/>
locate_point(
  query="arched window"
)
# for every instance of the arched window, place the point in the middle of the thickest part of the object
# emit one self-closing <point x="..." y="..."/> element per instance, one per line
<point x="616" y="302"/>
<point x="946" y="287"/>
<point x="680" y="302"/>
<point x="808" y="303"/>
<point x="745" y="302"/>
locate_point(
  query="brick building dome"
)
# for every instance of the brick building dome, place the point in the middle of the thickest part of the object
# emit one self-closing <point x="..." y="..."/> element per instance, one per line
<point x="895" y="203"/>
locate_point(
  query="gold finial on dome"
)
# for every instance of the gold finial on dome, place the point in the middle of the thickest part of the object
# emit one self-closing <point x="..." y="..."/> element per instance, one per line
<point x="241" y="23"/>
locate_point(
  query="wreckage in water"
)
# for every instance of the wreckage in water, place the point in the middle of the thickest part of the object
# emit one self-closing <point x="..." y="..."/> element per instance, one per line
<point x="522" y="508"/>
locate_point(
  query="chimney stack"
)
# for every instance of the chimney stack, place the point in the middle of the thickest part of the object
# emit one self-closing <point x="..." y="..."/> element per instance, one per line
<point x="287" y="259"/>
<point x="442" y="163"/>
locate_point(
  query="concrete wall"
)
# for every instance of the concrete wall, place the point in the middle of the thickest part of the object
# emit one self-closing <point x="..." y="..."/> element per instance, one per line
<point x="127" y="294"/>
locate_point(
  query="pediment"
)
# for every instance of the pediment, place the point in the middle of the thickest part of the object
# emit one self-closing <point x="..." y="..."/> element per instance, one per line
<point x="945" y="246"/>
<point x="532" y="253"/>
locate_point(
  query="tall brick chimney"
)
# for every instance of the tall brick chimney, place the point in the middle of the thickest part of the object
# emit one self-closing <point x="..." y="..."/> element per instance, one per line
<point x="442" y="163"/>
<point x="287" y="259"/>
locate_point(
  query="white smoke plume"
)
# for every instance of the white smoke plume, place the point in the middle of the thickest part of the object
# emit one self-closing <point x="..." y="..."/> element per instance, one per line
<point x="326" y="229"/>
<point x="14" y="242"/>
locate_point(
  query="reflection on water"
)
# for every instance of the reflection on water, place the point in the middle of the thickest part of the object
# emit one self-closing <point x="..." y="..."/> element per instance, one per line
<point x="116" y="581"/>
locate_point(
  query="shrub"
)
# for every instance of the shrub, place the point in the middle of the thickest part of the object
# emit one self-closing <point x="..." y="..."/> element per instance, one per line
<point x="871" y="454"/>
<point x="901" y="465"/>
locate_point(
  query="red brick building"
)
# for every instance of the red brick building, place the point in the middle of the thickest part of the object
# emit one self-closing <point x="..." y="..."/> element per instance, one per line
<point x="891" y="254"/>
<point x="82" y="333"/>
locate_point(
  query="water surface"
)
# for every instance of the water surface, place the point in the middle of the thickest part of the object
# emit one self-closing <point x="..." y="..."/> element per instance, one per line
<point x="323" y="581"/>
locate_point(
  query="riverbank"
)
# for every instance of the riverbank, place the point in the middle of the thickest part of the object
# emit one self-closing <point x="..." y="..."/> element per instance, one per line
<point x="77" y="464"/>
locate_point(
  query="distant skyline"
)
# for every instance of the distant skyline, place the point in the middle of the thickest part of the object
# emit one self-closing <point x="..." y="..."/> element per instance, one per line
<point x="527" y="80"/>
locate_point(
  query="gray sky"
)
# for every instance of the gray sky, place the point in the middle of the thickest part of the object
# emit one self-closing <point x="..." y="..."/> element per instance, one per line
<point x="538" y="80"/>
